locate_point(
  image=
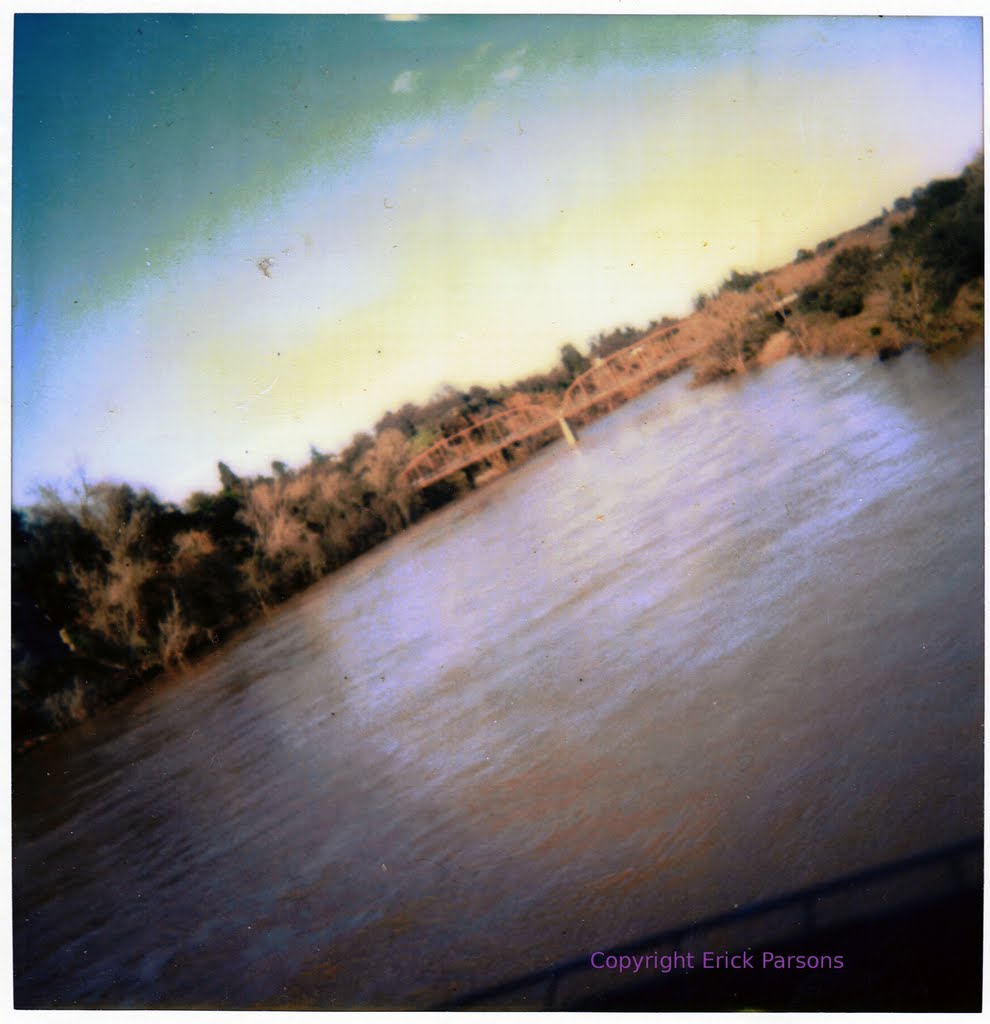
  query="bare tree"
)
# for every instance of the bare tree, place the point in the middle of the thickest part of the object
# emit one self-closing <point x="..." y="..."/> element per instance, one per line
<point x="381" y="466"/>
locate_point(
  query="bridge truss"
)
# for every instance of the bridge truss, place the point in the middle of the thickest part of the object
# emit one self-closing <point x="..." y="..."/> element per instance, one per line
<point x="609" y="382"/>
<point x="625" y="373"/>
<point x="490" y="441"/>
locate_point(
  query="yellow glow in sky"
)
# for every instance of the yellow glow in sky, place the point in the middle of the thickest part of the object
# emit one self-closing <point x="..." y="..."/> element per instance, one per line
<point x="469" y="244"/>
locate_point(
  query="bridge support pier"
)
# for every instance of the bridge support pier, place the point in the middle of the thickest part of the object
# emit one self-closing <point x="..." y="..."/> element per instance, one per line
<point x="565" y="429"/>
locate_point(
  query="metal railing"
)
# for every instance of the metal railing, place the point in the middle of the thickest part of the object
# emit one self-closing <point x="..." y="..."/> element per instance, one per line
<point x="939" y="873"/>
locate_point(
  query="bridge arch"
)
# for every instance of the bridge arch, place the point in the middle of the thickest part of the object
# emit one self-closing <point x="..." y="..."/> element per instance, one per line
<point x="621" y="375"/>
<point x="478" y="443"/>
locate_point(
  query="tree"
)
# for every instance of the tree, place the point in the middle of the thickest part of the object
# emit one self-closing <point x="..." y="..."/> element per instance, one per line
<point x="334" y="511"/>
<point x="939" y="251"/>
<point x="605" y="344"/>
<point x="176" y="635"/>
<point x="946" y="233"/>
<point x="229" y="480"/>
<point x="117" y="605"/>
<point x="44" y="603"/>
<point x="359" y="444"/>
<point x="403" y="420"/>
<point x="848" y="278"/>
<point x="737" y="282"/>
<point x="286" y="554"/>
<point x="201" y="591"/>
<point x="573" y="362"/>
<point x="318" y="458"/>
<point x="913" y="298"/>
<point x="381" y="468"/>
<point x="218" y="515"/>
<point x="738" y="325"/>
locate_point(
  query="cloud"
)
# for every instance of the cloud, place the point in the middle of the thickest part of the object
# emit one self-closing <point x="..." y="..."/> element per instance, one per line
<point x="507" y="75"/>
<point x="405" y="82"/>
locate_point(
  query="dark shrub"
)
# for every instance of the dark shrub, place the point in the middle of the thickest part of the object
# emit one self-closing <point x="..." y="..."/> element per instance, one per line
<point x="847" y="281"/>
<point x="737" y="282"/>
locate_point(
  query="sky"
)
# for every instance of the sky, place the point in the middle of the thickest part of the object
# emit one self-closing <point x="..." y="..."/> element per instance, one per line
<point x="236" y="236"/>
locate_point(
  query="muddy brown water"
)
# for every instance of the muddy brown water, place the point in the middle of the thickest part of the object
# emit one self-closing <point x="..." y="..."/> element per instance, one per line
<point x="728" y="647"/>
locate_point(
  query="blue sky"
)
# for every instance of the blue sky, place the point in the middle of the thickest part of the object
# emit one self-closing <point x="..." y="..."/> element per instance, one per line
<point x="235" y="236"/>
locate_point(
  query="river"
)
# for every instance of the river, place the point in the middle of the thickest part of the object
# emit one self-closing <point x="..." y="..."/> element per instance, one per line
<point x="729" y="646"/>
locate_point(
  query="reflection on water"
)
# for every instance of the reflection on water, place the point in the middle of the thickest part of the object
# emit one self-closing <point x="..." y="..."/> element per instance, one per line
<point x="729" y="646"/>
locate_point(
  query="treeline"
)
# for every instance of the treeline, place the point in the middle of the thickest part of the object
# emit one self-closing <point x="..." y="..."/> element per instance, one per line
<point x="911" y="277"/>
<point x="923" y="267"/>
<point x="111" y="586"/>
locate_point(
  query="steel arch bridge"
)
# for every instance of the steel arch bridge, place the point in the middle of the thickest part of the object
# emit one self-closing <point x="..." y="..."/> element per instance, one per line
<point x="610" y="381"/>
<point x="487" y="441"/>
